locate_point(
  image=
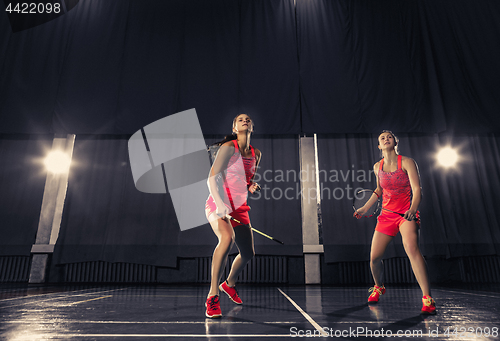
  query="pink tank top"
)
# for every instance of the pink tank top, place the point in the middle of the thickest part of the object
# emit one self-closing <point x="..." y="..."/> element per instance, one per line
<point x="239" y="179"/>
<point x="397" y="189"/>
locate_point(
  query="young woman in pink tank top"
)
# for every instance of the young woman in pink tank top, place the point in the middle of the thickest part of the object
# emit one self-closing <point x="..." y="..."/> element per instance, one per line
<point x="230" y="180"/>
<point x="398" y="183"/>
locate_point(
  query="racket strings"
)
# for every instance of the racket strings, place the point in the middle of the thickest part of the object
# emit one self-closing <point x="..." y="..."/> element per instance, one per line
<point x="360" y="200"/>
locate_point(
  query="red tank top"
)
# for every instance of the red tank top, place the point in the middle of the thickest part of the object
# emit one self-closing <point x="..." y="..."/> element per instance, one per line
<point x="396" y="188"/>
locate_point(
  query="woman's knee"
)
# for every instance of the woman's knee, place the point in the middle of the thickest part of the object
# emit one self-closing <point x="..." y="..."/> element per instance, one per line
<point x="411" y="249"/>
<point x="376" y="255"/>
<point x="226" y="240"/>
<point x="375" y="259"/>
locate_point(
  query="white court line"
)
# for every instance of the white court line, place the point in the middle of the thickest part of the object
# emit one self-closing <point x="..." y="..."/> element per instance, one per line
<point x="91" y="299"/>
<point x="49" y="293"/>
<point x="464" y="292"/>
<point x="166" y="335"/>
<point x="56" y="298"/>
<point x="306" y="315"/>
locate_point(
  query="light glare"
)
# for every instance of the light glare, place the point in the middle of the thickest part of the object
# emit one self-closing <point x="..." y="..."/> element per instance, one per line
<point x="447" y="157"/>
<point x="57" y="162"/>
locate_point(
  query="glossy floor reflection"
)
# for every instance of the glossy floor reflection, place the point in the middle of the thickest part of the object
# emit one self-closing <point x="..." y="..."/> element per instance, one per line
<point x="269" y="312"/>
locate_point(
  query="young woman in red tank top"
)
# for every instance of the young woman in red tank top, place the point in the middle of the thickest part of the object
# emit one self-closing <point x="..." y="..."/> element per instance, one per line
<point x="230" y="180"/>
<point x="398" y="183"/>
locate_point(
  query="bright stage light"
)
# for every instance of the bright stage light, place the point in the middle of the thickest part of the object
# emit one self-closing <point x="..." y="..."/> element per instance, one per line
<point x="57" y="162"/>
<point x="447" y="157"/>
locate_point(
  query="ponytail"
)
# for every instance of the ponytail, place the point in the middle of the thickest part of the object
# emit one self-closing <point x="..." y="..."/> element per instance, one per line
<point x="226" y="139"/>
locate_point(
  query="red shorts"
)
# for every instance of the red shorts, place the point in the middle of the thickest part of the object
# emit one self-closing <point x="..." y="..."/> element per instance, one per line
<point x="240" y="214"/>
<point x="389" y="223"/>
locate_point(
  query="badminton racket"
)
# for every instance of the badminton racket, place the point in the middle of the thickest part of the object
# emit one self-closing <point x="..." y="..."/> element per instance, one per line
<point x="362" y="197"/>
<point x="255" y="230"/>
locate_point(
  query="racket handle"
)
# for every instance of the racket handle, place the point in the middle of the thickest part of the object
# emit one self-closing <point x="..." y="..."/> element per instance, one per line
<point x="265" y="235"/>
<point x="400" y="214"/>
<point x="239" y="222"/>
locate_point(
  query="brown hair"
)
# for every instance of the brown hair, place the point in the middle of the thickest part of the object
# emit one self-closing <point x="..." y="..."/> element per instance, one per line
<point x="395" y="139"/>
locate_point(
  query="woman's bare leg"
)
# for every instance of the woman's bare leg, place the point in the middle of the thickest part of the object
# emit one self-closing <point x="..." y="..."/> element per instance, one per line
<point x="409" y="232"/>
<point x="379" y="244"/>
<point x="244" y="241"/>
<point x="224" y="232"/>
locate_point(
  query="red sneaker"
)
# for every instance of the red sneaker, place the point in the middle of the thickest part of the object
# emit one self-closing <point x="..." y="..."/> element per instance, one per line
<point x="376" y="291"/>
<point x="213" y="307"/>
<point x="429" y="306"/>
<point x="231" y="293"/>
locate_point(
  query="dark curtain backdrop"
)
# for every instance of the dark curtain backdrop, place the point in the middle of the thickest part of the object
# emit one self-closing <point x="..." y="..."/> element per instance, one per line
<point x="363" y="64"/>
<point x="107" y="68"/>
<point x="22" y="180"/>
<point x="106" y="218"/>
<point x="111" y="67"/>
<point x="277" y="208"/>
<point x="458" y="209"/>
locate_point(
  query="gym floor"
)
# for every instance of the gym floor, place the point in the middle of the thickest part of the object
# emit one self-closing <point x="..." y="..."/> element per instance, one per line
<point x="161" y="312"/>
